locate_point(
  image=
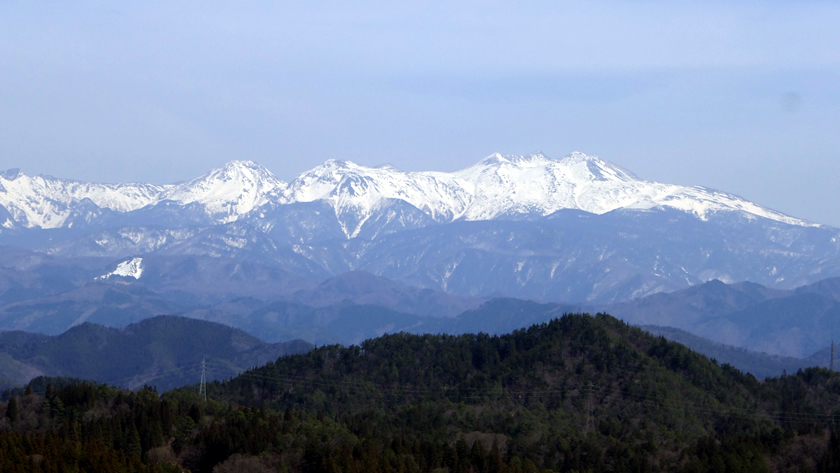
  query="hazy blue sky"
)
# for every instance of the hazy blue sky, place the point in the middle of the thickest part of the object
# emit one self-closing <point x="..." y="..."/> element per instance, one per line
<point x="739" y="96"/>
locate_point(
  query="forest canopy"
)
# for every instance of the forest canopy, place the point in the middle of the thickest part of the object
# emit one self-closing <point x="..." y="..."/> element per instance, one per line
<point x="578" y="393"/>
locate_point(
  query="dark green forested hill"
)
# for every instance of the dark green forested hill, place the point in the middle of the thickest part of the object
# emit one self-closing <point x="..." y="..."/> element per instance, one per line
<point x="575" y="394"/>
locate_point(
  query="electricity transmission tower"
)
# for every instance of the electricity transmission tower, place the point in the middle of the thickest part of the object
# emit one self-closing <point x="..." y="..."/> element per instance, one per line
<point x="590" y="423"/>
<point x="831" y="363"/>
<point x="202" y="388"/>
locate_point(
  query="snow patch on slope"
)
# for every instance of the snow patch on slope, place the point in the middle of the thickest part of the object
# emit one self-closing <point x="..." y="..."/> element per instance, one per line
<point x="132" y="268"/>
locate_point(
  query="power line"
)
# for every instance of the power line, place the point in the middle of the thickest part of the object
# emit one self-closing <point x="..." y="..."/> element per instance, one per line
<point x="202" y="389"/>
<point x="590" y="423"/>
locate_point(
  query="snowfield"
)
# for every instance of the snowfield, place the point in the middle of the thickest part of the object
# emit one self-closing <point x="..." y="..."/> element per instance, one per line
<point x="132" y="268"/>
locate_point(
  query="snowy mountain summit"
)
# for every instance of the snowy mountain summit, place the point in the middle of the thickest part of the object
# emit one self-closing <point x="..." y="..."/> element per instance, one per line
<point x="500" y="186"/>
<point x="495" y="187"/>
<point x="538" y="184"/>
<point x="228" y="192"/>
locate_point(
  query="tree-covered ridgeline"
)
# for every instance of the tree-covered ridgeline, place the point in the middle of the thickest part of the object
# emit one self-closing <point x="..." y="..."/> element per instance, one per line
<point x="579" y="393"/>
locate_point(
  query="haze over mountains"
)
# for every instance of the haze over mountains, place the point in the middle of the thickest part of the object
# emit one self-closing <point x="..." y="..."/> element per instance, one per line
<point x="795" y="323"/>
<point x="355" y="306"/>
<point x="346" y="252"/>
<point x="166" y="351"/>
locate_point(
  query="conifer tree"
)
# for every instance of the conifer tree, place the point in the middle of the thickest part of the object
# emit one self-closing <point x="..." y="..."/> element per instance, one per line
<point x="495" y="459"/>
<point x="478" y="456"/>
<point x="133" y="440"/>
<point x="12" y="411"/>
<point x="195" y="413"/>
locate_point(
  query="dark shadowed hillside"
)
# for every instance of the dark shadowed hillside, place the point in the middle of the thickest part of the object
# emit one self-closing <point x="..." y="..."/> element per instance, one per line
<point x="785" y="323"/>
<point x="365" y="288"/>
<point x="163" y="351"/>
<point x="760" y="365"/>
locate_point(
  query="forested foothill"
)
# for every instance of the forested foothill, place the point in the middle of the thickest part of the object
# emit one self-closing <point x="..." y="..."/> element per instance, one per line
<point x="579" y="393"/>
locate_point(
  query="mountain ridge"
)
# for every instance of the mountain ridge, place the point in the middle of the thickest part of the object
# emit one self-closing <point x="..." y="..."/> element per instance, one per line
<point x="494" y="186"/>
<point x="794" y="323"/>
<point x="147" y="351"/>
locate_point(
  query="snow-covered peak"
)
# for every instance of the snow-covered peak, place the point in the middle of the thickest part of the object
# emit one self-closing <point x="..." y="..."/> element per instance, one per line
<point x="530" y="184"/>
<point x="228" y="192"/>
<point x="46" y="202"/>
<point x="356" y="191"/>
<point x="132" y="268"/>
<point x="536" y="184"/>
<point x="225" y="193"/>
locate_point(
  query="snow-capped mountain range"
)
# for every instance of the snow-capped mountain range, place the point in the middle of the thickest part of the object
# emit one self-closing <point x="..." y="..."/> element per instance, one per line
<point x="225" y="194"/>
<point x="573" y="229"/>
<point x="494" y="187"/>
